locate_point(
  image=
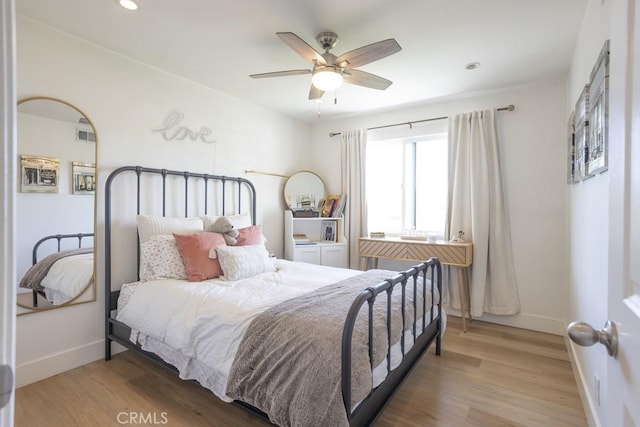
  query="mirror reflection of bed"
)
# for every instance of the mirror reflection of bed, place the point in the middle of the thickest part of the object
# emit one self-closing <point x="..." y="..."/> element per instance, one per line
<point x="62" y="276"/>
<point x="57" y="147"/>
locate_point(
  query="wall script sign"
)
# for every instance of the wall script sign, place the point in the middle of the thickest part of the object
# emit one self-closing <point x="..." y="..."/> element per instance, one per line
<point x="172" y="130"/>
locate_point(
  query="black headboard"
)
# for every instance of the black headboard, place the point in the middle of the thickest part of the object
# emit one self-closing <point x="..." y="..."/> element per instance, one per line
<point x="200" y="194"/>
<point x="58" y="238"/>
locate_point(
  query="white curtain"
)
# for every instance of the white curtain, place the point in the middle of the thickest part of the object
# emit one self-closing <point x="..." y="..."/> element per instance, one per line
<point x="477" y="207"/>
<point x="354" y="145"/>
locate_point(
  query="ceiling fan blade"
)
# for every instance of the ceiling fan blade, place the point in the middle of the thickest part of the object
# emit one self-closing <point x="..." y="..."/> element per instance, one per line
<point x="369" y="53"/>
<point x="301" y="47"/>
<point x="362" y="78"/>
<point x="280" y="74"/>
<point x="315" y="93"/>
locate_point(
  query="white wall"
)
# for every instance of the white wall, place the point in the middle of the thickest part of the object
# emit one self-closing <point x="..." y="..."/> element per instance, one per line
<point x="533" y="154"/>
<point x="125" y="100"/>
<point x="589" y="219"/>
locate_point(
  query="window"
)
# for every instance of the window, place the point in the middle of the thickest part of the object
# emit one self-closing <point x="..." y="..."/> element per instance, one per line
<point x="407" y="184"/>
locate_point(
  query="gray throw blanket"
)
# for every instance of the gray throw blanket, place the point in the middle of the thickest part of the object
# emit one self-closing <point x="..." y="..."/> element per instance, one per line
<point x="289" y="361"/>
<point x="39" y="270"/>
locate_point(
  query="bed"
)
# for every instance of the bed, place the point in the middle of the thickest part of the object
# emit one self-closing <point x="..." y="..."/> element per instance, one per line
<point x="61" y="276"/>
<point x="288" y="341"/>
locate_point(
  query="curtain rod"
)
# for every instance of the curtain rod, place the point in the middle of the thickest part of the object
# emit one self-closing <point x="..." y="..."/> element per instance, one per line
<point x="265" y="173"/>
<point x="509" y="107"/>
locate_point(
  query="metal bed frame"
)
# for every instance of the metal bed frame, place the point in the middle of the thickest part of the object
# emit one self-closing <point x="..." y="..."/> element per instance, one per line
<point x="427" y="275"/>
<point x="59" y="238"/>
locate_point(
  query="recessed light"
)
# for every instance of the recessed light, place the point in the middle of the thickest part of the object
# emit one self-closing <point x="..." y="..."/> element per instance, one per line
<point x="472" y="65"/>
<point x="128" y="4"/>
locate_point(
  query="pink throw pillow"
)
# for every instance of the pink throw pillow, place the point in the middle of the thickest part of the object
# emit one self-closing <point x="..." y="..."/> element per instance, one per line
<point x="251" y="235"/>
<point x="194" y="251"/>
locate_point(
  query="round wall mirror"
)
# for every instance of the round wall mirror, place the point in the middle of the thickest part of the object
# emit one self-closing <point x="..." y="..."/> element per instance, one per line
<point x="57" y="146"/>
<point x="303" y="190"/>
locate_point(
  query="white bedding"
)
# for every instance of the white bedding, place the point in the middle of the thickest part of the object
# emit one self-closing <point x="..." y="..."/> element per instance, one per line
<point x="67" y="277"/>
<point x="198" y="326"/>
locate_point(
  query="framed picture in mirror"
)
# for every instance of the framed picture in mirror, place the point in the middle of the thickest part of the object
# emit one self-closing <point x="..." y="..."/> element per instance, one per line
<point x="38" y="174"/>
<point x="84" y="178"/>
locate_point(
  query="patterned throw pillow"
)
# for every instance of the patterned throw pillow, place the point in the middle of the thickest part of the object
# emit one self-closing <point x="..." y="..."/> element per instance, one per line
<point x="240" y="262"/>
<point x="160" y="259"/>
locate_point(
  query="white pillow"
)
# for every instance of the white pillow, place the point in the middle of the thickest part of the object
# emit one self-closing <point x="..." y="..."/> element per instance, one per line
<point x="160" y="259"/>
<point x="240" y="262"/>
<point x="238" y="221"/>
<point x="149" y="226"/>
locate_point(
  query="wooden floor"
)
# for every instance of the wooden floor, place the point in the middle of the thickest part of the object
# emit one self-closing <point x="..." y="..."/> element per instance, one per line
<point x="26" y="300"/>
<point x="490" y="376"/>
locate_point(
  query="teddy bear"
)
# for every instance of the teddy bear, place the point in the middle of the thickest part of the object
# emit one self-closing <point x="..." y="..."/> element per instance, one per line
<point x="223" y="226"/>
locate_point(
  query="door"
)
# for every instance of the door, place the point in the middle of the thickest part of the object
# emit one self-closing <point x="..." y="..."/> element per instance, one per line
<point x="623" y="372"/>
<point x="7" y="205"/>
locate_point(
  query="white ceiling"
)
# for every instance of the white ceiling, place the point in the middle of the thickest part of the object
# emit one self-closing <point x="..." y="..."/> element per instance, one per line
<point x="218" y="43"/>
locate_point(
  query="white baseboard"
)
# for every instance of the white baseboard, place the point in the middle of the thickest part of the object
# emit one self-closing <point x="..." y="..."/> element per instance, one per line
<point x="57" y="363"/>
<point x="587" y="401"/>
<point x="524" y="321"/>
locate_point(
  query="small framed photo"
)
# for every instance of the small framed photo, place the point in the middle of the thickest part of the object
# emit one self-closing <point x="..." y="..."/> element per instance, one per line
<point x="329" y="229"/>
<point x="84" y="178"/>
<point x="571" y="150"/>
<point x="38" y="174"/>
<point x="597" y="144"/>
<point x="581" y="136"/>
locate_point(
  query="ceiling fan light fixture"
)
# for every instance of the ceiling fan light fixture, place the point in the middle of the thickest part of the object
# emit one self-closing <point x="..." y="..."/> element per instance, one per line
<point x="327" y="79"/>
<point x="128" y="4"/>
<point x="330" y="71"/>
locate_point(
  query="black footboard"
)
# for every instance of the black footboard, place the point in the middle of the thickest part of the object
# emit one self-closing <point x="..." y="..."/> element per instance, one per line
<point x="425" y="329"/>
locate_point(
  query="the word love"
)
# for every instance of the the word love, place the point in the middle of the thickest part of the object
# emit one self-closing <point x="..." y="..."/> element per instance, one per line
<point x="173" y="130"/>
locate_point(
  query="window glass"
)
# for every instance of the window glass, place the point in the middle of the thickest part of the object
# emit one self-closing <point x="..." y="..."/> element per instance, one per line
<point x="407" y="184"/>
<point x="385" y="195"/>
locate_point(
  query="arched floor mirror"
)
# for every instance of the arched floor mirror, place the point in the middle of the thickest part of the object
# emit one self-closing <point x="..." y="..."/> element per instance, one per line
<point x="56" y="190"/>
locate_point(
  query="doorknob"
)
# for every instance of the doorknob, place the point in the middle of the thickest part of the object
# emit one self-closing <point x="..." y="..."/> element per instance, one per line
<point x="583" y="334"/>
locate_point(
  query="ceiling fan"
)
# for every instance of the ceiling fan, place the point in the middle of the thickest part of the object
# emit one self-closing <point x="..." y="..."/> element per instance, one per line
<point x="329" y="71"/>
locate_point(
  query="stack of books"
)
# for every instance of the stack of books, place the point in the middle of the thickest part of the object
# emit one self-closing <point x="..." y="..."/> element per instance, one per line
<point x="302" y="239"/>
<point x="332" y="206"/>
